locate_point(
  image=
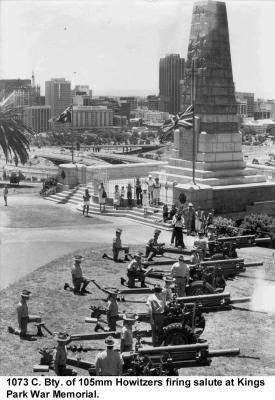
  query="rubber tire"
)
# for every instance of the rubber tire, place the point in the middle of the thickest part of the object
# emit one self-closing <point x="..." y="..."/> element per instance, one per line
<point x="183" y="335"/>
<point x="198" y="288"/>
<point x="199" y="328"/>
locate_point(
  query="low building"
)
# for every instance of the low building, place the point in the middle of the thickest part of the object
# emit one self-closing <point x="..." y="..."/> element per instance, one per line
<point x="150" y="116"/>
<point x="259" y="126"/>
<point x="37" y="117"/>
<point x="85" y="117"/>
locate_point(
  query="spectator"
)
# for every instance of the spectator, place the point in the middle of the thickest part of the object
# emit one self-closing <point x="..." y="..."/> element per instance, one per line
<point x="145" y="202"/>
<point x="129" y="194"/>
<point x="165" y="212"/>
<point x="122" y="195"/>
<point x="86" y="202"/>
<point x="156" y="191"/>
<point x="189" y="213"/>
<point x="5" y="194"/>
<point x="116" y="197"/>
<point x="173" y="211"/>
<point x="138" y="192"/>
<point x="150" y="185"/>
<point x="200" y="220"/>
<point x="177" y="231"/>
<point x="102" y="195"/>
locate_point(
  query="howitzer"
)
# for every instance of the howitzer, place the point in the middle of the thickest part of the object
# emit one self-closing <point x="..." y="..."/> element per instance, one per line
<point x="164" y="360"/>
<point x="214" y="302"/>
<point x="243" y="241"/>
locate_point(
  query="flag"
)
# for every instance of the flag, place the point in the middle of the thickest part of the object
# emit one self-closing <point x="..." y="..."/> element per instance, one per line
<point x="65" y="116"/>
<point x="183" y="119"/>
<point x="186" y="118"/>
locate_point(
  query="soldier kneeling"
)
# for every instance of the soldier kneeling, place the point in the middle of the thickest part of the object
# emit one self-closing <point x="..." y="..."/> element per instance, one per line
<point x="134" y="271"/>
<point x="79" y="281"/>
<point x="60" y="356"/>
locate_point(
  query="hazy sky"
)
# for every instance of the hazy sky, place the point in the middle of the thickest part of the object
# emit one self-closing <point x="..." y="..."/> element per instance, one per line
<point x="115" y="45"/>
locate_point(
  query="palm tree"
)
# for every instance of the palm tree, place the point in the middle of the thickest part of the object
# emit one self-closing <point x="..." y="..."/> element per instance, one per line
<point x="14" y="134"/>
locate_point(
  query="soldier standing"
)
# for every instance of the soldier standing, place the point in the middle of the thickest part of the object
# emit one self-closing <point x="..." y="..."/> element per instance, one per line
<point x="60" y="356"/>
<point x="109" y="362"/>
<point x="156" y="308"/>
<point x="126" y="335"/>
<point x="112" y="311"/>
<point x="180" y="272"/>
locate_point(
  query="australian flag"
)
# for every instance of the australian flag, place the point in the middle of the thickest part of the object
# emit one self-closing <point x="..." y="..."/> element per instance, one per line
<point x="183" y="119"/>
<point x="66" y="115"/>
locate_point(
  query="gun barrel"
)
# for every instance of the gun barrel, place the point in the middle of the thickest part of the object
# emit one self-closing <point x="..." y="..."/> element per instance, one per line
<point x="254" y="264"/>
<point x="177" y="349"/>
<point x="205" y="298"/>
<point x="222" y="262"/>
<point x="241" y="300"/>
<point x="263" y="240"/>
<point x="224" y="353"/>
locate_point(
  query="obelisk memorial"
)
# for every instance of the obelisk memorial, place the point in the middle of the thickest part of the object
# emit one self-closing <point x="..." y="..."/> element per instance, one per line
<point x="220" y="178"/>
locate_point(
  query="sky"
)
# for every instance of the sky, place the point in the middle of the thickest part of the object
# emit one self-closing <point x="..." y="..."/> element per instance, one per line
<point x="114" y="46"/>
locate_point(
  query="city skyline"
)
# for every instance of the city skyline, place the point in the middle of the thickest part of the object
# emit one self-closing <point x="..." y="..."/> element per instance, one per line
<point x="115" y="46"/>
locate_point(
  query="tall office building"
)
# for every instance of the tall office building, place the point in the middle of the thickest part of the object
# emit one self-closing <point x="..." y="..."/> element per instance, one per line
<point x="242" y="97"/>
<point x="58" y="95"/>
<point x="171" y="71"/>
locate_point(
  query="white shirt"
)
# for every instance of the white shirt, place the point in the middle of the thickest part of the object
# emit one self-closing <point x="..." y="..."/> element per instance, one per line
<point x="180" y="270"/>
<point x="156" y="304"/>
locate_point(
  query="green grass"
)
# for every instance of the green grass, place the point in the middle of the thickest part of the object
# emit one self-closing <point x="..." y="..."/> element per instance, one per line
<point x="62" y="310"/>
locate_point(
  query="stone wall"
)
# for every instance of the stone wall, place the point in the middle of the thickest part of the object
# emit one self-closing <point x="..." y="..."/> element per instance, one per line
<point x="237" y="198"/>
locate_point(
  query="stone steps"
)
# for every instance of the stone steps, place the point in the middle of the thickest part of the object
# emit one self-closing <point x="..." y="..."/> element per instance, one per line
<point x="74" y="197"/>
<point x="203" y="174"/>
<point x="219" y="181"/>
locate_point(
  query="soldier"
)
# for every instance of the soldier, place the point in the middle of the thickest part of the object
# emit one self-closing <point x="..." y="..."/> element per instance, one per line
<point x="180" y="273"/>
<point x="167" y="290"/>
<point x="201" y="244"/>
<point x="23" y="315"/>
<point x="109" y="362"/>
<point x="134" y="270"/>
<point x="117" y="246"/>
<point x="156" y="308"/>
<point x="126" y="335"/>
<point x="60" y="356"/>
<point x="112" y="311"/>
<point x="77" y="276"/>
<point x="153" y="247"/>
<point x="190" y="216"/>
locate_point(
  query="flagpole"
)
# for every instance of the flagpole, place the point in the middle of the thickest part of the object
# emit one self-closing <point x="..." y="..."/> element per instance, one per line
<point x="72" y="122"/>
<point x="193" y="98"/>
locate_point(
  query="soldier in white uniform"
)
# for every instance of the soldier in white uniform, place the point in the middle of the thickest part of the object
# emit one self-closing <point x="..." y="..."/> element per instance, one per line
<point x="180" y="272"/>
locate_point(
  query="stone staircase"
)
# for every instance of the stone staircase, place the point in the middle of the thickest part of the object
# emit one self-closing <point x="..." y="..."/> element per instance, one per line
<point x="74" y="198"/>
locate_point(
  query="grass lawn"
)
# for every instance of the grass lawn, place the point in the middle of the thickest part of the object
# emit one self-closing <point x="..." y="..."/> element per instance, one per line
<point x="61" y="310"/>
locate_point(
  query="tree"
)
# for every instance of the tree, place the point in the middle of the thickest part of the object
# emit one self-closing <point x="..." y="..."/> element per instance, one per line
<point x="14" y="134"/>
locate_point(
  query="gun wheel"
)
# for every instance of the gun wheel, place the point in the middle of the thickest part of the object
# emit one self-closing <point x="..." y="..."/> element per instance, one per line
<point x="177" y="335"/>
<point x="199" y="288"/>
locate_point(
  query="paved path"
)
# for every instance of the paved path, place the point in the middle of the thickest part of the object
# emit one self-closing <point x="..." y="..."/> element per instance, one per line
<point x="34" y="231"/>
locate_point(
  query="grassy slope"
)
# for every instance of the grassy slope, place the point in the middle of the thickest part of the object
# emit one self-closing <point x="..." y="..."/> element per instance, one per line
<point x="252" y="332"/>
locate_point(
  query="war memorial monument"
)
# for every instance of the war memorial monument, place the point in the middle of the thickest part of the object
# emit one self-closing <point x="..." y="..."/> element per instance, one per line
<point x="207" y="164"/>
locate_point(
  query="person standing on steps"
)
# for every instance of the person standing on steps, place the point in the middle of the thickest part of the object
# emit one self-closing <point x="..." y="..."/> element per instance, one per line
<point x="156" y="191"/>
<point x="150" y="187"/>
<point x="138" y="192"/>
<point x="116" y="197"/>
<point x="102" y="195"/>
<point x="86" y="202"/>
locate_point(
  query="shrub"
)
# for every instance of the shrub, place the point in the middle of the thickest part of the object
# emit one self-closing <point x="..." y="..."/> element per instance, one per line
<point x="225" y="227"/>
<point x="260" y="225"/>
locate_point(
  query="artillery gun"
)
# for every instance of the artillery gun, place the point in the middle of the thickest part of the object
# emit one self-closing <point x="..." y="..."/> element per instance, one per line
<point x="182" y="324"/>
